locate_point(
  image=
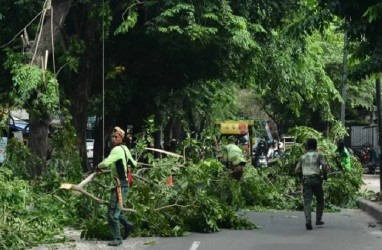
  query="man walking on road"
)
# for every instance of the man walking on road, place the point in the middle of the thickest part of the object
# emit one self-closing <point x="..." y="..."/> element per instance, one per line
<point x="310" y="166"/>
<point x="118" y="161"/>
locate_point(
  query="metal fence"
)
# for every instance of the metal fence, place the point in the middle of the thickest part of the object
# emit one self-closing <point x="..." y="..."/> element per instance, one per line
<point x="361" y="136"/>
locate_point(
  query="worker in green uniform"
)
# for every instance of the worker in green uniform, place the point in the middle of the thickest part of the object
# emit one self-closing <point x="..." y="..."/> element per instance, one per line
<point x="117" y="161"/>
<point x="234" y="158"/>
<point x="310" y="166"/>
<point x="342" y="156"/>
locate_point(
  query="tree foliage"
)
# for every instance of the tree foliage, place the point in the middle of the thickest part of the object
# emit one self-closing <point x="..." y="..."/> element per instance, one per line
<point x="155" y="51"/>
<point x="34" y="88"/>
<point x="33" y="214"/>
<point x="179" y="64"/>
<point x="363" y="23"/>
<point x="203" y="198"/>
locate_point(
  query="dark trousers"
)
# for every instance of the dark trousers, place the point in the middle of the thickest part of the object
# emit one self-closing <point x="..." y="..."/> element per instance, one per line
<point x="115" y="215"/>
<point x="237" y="171"/>
<point x="312" y="185"/>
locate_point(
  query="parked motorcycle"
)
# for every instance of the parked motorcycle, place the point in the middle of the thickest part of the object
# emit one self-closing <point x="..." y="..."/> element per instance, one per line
<point x="262" y="161"/>
<point x="371" y="167"/>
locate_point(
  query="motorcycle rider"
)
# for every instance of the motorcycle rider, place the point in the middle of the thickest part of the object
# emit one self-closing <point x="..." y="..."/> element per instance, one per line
<point x="261" y="152"/>
<point x="373" y="160"/>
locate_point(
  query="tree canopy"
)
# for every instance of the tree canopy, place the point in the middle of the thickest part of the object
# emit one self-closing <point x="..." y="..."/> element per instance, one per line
<point x="183" y="62"/>
<point x="172" y="69"/>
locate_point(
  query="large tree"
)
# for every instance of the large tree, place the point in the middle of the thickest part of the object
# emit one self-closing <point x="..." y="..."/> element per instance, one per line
<point x="43" y="46"/>
<point x="181" y="62"/>
<point x="35" y="89"/>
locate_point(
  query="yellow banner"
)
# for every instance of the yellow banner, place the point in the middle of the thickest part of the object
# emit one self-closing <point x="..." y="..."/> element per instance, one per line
<point x="231" y="128"/>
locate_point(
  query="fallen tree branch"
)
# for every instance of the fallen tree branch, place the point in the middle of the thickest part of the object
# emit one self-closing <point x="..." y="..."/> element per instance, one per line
<point x="144" y="164"/>
<point x="143" y="179"/>
<point x="165" y="152"/>
<point x="78" y="189"/>
<point x="87" y="194"/>
<point x="291" y="197"/>
<point x="141" y="170"/>
<point x="97" y="183"/>
<point x="87" y="180"/>
<point x="173" y="205"/>
<point x="334" y="174"/>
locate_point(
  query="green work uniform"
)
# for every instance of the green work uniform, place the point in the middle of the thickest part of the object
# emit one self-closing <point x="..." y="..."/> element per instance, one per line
<point x="233" y="155"/>
<point x="116" y="162"/>
<point x="310" y="164"/>
<point x="344" y="158"/>
<point x="234" y="158"/>
<point x="117" y="153"/>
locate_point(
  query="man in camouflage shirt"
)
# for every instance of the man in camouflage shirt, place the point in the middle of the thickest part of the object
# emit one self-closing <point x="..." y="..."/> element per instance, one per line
<point x="310" y="166"/>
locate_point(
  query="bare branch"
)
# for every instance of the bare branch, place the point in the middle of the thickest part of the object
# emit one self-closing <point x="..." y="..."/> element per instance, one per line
<point x="87" y="194"/>
<point x="145" y="164"/>
<point x="131" y="6"/>
<point x="21" y="31"/>
<point x="165" y="152"/>
<point x="173" y="205"/>
<point x="97" y="183"/>
<point x="141" y="178"/>
<point x="63" y="66"/>
<point x="79" y="190"/>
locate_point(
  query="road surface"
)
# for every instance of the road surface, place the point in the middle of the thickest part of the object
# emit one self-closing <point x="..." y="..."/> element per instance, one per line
<point x="349" y="229"/>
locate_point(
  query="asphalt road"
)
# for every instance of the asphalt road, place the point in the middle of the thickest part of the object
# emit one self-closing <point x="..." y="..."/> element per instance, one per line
<point x="349" y="229"/>
<point x="280" y="230"/>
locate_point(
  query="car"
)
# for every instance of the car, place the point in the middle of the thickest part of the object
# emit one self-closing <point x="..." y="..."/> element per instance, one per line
<point x="89" y="148"/>
<point x="18" y="128"/>
<point x="16" y="124"/>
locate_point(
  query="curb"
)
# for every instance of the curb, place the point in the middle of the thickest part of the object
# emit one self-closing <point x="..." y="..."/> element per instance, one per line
<point x="374" y="209"/>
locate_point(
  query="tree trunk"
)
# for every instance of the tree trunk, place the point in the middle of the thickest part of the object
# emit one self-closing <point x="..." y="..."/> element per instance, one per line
<point x="79" y="90"/>
<point x="38" y="142"/>
<point x="39" y="121"/>
<point x="158" y="119"/>
<point x="79" y="97"/>
<point x="102" y="134"/>
<point x="79" y="100"/>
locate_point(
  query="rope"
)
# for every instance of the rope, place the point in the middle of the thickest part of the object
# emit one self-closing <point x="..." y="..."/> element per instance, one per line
<point x="39" y="35"/>
<point x="103" y="82"/>
<point x="52" y="36"/>
<point x="54" y="61"/>
<point x="22" y="30"/>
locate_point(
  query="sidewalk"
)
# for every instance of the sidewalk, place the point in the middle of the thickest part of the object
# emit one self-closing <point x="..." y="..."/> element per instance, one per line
<point x="372" y="207"/>
<point x="371" y="182"/>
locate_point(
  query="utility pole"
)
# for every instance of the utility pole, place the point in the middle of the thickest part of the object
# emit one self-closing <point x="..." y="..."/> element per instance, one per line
<point x="379" y="117"/>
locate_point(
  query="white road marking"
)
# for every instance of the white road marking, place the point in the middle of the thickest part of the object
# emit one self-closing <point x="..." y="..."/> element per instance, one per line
<point x="195" y="245"/>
